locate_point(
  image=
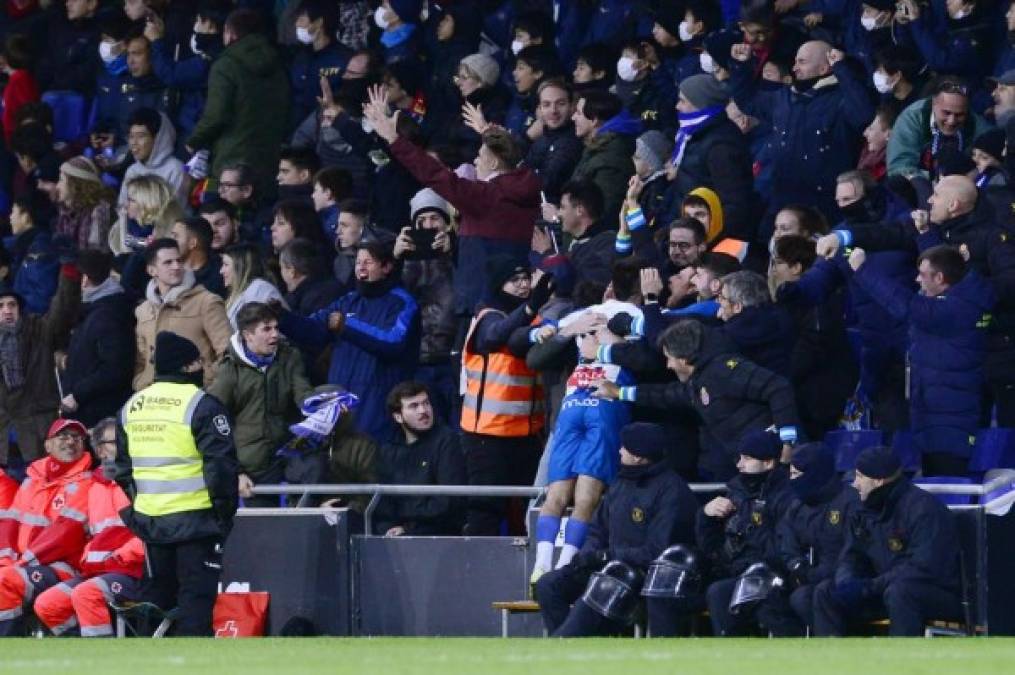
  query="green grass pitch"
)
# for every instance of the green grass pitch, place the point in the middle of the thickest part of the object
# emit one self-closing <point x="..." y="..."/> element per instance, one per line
<point x="489" y="656"/>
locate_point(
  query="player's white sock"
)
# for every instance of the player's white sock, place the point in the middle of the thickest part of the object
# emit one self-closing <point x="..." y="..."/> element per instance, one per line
<point x="566" y="554"/>
<point x="544" y="556"/>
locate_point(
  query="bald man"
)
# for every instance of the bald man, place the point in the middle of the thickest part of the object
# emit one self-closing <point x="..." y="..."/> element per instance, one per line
<point x="959" y="217"/>
<point x="815" y="123"/>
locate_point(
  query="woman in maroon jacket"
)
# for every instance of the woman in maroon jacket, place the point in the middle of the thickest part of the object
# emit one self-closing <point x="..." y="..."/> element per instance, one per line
<point x="498" y="208"/>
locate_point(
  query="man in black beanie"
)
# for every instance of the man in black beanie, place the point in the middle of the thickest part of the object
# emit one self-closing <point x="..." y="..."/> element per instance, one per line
<point x="735" y="532"/>
<point x="177" y="462"/>
<point x="646" y="510"/>
<point x="811" y="535"/>
<point x="901" y="558"/>
<point x="502" y="411"/>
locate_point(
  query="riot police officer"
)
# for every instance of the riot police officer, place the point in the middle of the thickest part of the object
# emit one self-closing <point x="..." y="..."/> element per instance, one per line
<point x="177" y="462"/>
<point x="811" y="536"/>
<point x="733" y="532"/>
<point x="909" y="540"/>
<point x="648" y="508"/>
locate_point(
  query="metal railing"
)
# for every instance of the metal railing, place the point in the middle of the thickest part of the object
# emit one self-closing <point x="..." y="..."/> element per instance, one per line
<point x="376" y="490"/>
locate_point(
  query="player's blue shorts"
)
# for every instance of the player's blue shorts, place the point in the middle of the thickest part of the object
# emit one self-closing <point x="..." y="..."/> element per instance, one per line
<point x="586" y="439"/>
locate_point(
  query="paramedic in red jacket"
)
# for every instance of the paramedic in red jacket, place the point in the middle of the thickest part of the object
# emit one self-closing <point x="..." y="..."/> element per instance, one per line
<point x="113" y="561"/>
<point x="42" y="534"/>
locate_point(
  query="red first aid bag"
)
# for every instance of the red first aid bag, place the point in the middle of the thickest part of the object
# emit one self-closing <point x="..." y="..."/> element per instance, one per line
<point x="240" y="615"/>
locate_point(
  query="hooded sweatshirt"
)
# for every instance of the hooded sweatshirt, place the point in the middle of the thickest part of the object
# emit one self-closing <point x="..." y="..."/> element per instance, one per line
<point x="160" y="163"/>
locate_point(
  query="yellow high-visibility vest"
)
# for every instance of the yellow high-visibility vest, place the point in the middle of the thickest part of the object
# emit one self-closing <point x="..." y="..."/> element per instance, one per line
<point x="168" y="469"/>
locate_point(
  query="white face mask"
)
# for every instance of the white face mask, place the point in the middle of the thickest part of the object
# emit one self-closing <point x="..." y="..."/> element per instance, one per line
<point x="881" y="82"/>
<point x="707" y="64"/>
<point x="684" y="30"/>
<point x="381" y="18"/>
<point x="516" y="46"/>
<point x="869" y="22"/>
<point x="304" y="36"/>
<point x="626" y="70"/>
<point x="193" y="44"/>
<point x="962" y="14"/>
<point x="106" y="52"/>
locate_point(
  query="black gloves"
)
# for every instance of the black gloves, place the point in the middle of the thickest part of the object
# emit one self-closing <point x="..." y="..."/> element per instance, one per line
<point x="590" y="560"/>
<point x="540" y="294"/>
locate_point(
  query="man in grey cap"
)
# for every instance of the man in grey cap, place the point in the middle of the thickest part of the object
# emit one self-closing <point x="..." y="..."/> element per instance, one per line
<point x="709" y="151"/>
<point x="426" y="247"/>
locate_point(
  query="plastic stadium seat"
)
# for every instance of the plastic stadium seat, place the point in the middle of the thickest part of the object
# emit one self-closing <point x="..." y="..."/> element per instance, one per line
<point x="994" y="449"/>
<point x="848" y="444"/>
<point x="949" y="480"/>
<point x="906" y="450"/>
<point x="70" y="113"/>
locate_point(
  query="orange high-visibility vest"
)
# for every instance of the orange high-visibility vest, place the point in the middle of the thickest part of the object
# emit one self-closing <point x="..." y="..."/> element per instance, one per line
<point x="503" y="396"/>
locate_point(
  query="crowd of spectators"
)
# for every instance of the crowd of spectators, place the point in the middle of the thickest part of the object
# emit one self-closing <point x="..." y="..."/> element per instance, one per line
<point x="486" y="218"/>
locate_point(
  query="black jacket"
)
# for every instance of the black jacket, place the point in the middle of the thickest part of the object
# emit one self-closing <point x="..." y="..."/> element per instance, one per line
<point x="97" y="374"/>
<point x="593" y="253"/>
<point x="719" y="158"/>
<point x="812" y="535"/>
<point x="647" y="509"/>
<point x="912" y="536"/>
<point x="221" y="473"/>
<point x="210" y="276"/>
<point x="748" y="535"/>
<point x="731" y="396"/>
<point x="313" y="294"/>
<point x="436" y="458"/>
<point x="765" y="334"/>
<point x="553" y="157"/>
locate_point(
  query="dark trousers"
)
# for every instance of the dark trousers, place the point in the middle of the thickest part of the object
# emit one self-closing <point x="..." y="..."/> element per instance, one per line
<point x="185" y="575"/>
<point x="724" y="623"/>
<point x="492" y="460"/>
<point x="671" y="618"/>
<point x="787" y="615"/>
<point x="907" y="604"/>
<point x="556" y="591"/>
<point x="999" y="402"/>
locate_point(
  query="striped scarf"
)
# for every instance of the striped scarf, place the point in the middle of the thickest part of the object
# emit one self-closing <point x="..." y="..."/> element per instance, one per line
<point x="690" y="123"/>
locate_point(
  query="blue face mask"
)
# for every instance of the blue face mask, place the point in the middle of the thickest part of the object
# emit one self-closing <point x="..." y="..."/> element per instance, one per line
<point x="117" y="66"/>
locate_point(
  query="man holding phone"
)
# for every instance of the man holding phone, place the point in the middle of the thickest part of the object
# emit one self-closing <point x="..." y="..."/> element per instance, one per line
<point x="426" y="249"/>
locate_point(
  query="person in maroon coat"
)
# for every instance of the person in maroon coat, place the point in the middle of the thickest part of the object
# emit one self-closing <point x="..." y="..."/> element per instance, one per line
<point x="498" y="208"/>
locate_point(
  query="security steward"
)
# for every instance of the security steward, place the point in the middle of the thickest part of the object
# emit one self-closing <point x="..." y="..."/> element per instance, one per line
<point x="901" y="557"/>
<point x="734" y="532"/>
<point x="177" y="462"/>
<point x="646" y="510"/>
<point x="811" y="537"/>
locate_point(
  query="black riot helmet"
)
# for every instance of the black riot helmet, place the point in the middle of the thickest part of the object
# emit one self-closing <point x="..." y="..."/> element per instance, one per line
<point x="613" y="591"/>
<point x="675" y="574"/>
<point x="753" y="586"/>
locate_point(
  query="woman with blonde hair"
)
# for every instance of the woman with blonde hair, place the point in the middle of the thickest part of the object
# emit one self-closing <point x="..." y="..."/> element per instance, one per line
<point x="148" y="214"/>
<point x="85" y="204"/>
<point x="245" y="276"/>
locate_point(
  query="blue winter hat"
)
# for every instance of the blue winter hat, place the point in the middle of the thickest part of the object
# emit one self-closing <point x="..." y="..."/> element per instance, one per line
<point x="878" y="462"/>
<point x="760" y="444"/>
<point x="644" y="440"/>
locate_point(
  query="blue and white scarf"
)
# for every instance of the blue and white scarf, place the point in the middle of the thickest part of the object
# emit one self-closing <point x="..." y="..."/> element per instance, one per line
<point x="690" y="123"/>
<point x="321" y="413"/>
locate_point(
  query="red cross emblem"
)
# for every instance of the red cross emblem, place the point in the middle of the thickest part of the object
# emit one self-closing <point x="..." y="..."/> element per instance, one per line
<point x="116" y="587"/>
<point x="35" y="576"/>
<point x="228" y="630"/>
<point x="58" y="502"/>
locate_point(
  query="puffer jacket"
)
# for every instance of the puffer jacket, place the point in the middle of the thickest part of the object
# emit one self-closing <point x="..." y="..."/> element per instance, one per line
<point x="430" y="283"/>
<point x="607" y="162"/>
<point x="187" y="310"/>
<point x="263" y="402"/>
